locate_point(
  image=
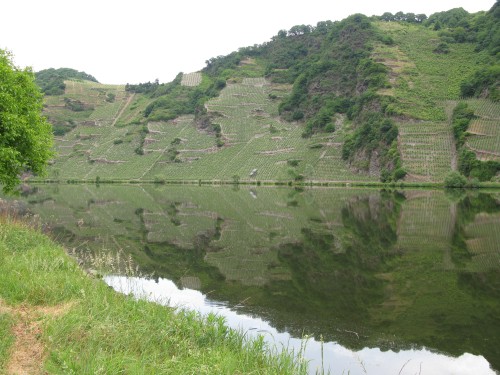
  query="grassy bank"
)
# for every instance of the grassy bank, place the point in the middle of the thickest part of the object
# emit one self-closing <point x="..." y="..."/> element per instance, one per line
<point x="367" y="184"/>
<point x="55" y="318"/>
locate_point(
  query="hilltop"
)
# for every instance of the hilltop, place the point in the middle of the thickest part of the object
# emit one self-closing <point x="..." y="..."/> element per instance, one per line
<point x="397" y="97"/>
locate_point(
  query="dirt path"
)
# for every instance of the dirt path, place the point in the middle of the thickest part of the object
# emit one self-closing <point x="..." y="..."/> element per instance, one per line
<point x="129" y="100"/>
<point x="449" y="107"/>
<point x="28" y="352"/>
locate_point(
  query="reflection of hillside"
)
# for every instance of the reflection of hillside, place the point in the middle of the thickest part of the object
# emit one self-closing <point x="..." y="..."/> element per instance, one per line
<point x="427" y="221"/>
<point x="483" y="242"/>
<point x="338" y="288"/>
<point x="427" y="301"/>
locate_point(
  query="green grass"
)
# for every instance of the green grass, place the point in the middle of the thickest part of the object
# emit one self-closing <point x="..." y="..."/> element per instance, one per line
<point x="423" y="79"/>
<point x="105" y="332"/>
<point x="7" y="338"/>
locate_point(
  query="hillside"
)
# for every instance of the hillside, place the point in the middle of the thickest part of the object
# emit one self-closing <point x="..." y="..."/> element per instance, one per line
<point x="363" y="99"/>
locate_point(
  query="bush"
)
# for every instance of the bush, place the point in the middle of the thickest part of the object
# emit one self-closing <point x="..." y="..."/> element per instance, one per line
<point x="293" y="162"/>
<point x="110" y="97"/>
<point x="399" y="174"/>
<point x="483" y="83"/>
<point x="455" y="180"/>
<point x="442" y="48"/>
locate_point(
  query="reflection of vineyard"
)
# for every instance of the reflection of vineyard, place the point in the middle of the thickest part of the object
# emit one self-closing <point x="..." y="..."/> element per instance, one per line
<point x="427" y="222"/>
<point x="240" y="229"/>
<point x="483" y="242"/>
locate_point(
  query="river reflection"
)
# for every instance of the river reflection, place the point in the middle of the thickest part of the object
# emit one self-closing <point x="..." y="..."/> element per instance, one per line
<point x="394" y="271"/>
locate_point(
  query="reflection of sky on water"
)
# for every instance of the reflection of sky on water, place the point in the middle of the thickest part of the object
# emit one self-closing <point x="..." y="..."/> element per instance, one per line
<point x="336" y="357"/>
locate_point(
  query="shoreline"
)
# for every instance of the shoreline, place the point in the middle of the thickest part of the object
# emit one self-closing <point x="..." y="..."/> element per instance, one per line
<point x="79" y="324"/>
<point x="300" y="184"/>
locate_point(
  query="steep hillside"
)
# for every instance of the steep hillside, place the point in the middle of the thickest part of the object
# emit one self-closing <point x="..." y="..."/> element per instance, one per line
<point x="363" y="99"/>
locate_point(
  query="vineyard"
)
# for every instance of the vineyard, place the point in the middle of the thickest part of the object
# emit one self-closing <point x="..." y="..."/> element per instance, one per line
<point x="252" y="137"/>
<point x="426" y="149"/>
<point x="191" y="79"/>
<point x="103" y="133"/>
<point x="484" y="131"/>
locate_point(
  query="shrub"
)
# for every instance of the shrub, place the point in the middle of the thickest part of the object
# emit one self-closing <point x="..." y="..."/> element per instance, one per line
<point x="455" y="180"/>
<point x="110" y="97"/>
<point x="293" y="162"/>
<point x="442" y="48"/>
<point x="399" y="174"/>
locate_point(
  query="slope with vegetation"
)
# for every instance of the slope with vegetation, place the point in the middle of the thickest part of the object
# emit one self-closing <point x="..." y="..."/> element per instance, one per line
<point x="56" y="319"/>
<point x="363" y="99"/>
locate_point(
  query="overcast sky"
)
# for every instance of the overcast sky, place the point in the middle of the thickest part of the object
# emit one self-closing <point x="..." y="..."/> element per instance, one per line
<point x="132" y="41"/>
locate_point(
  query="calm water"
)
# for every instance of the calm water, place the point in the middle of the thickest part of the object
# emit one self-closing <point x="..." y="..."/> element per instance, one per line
<point x="389" y="281"/>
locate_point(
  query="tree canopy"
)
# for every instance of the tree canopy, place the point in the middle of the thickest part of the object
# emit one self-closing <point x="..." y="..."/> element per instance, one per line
<point x="25" y="135"/>
<point x="51" y="81"/>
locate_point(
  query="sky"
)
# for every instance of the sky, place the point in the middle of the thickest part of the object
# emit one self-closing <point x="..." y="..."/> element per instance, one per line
<point x="133" y="41"/>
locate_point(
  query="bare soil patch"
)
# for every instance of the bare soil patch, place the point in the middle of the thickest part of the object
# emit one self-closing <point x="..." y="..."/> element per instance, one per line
<point x="28" y="351"/>
<point x="274" y="152"/>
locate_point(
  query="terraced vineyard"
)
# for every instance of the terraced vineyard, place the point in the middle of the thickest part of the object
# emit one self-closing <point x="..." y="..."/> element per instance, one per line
<point x="254" y="138"/>
<point x="484" y="131"/>
<point x="107" y="134"/>
<point x="191" y="79"/>
<point x="427" y="149"/>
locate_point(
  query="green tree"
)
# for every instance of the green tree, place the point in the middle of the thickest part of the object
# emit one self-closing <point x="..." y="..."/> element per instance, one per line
<point x="25" y="135"/>
<point x="455" y="180"/>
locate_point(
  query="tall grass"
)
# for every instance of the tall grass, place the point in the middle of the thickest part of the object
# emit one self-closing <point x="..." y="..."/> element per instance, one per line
<point x="104" y="332"/>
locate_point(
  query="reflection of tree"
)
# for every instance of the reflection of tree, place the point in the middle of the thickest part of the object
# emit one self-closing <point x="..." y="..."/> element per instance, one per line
<point x="479" y="226"/>
<point x="334" y="273"/>
<point x="170" y="260"/>
<point x="452" y="310"/>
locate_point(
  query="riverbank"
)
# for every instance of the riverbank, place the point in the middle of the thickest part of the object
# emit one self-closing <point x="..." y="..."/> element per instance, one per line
<point x="291" y="183"/>
<point x="54" y="318"/>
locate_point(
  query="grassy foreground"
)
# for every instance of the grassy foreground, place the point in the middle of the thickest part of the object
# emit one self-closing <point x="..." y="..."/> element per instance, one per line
<point x="74" y="324"/>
